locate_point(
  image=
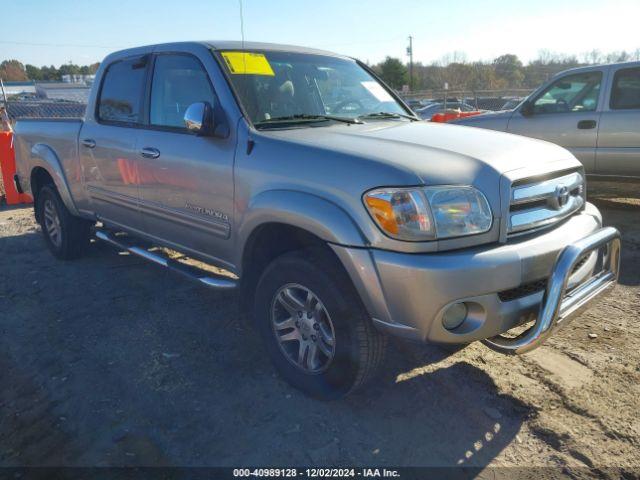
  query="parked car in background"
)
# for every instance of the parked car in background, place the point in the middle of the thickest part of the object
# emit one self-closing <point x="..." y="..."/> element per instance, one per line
<point x="592" y="111"/>
<point x="414" y="104"/>
<point x="338" y="216"/>
<point x="511" y="103"/>
<point x="425" y="113"/>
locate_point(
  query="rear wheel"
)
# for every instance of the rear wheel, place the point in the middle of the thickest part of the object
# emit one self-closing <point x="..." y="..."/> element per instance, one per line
<point x="66" y="236"/>
<point x="317" y="332"/>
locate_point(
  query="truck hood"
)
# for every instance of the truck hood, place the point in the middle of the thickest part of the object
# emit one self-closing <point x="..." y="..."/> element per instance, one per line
<point x="435" y="153"/>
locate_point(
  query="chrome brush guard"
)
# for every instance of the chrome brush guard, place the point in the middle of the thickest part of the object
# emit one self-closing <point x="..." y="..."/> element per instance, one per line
<point x="559" y="306"/>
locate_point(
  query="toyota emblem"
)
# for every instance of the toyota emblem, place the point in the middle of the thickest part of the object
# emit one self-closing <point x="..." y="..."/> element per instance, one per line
<point x="561" y="196"/>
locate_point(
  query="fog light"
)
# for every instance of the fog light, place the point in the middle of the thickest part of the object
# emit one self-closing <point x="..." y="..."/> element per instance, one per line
<point x="454" y="316"/>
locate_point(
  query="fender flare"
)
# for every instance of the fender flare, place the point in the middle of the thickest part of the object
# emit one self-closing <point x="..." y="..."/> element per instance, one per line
<point x="307" y="211"/>
<point x="44" y="156"/>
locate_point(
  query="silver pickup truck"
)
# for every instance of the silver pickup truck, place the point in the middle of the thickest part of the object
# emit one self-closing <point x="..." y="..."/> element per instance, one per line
<point x="311" y="188"/>
<point x="594" y="112"/>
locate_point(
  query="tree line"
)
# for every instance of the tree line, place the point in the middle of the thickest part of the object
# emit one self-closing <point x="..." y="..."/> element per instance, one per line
<point x="15" y="71"/>
<point x="504" y="72"/>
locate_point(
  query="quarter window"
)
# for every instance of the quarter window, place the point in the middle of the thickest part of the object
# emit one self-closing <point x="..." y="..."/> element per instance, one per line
<point x="573" y="93"/>
<point x="178" y="82"/>
<point x="626" y="89"/>
<point x="122" y="91"/>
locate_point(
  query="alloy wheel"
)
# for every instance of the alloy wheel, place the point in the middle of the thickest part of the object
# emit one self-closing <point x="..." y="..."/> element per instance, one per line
<point x="52" y="223"/>
<point x="303" y="328"/>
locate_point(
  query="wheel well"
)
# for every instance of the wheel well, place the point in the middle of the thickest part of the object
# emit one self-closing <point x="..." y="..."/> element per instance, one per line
<point x="39" y="178"/>
<point x="265" y="244"/>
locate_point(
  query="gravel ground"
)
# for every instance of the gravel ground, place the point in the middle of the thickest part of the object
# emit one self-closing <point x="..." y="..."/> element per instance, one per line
<point x="111" y="361"/>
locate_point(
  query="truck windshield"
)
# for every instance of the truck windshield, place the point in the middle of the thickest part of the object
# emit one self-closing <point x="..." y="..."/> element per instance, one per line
<point x="280" y="88"/>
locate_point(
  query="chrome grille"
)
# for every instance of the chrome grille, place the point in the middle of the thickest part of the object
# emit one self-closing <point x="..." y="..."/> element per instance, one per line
<point x="540" y="203"/>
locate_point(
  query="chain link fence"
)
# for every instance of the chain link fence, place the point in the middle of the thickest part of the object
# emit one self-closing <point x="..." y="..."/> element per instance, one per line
<point x="44" y="109"/>
<point x="25" y="109"/>
<point x="479" y="99"/>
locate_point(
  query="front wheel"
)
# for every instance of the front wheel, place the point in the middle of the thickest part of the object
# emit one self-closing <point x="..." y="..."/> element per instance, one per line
<point x="317" y="332"/>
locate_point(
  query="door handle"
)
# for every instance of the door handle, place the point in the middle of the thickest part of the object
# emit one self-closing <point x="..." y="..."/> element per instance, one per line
<point x="149" y="152"/>
<point x="89" y="142"/>
<point x="586" y="124"/>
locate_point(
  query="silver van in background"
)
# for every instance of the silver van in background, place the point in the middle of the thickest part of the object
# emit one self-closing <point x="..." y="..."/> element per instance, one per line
<point x="592" y="111"/>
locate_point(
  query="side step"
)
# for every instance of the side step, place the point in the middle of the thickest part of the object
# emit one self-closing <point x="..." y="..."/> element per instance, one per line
<point x="192" y="272"/>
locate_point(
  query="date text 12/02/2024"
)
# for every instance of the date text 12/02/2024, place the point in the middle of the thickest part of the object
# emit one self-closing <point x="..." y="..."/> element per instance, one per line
<point x="317" y="473"/>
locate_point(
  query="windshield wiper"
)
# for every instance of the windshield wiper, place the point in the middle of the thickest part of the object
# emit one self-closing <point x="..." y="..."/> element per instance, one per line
<point x="387" y="115"/>
<point x="305" y="118"/>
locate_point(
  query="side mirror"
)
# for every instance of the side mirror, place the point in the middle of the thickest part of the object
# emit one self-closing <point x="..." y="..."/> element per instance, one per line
<point x="527" y="109"/>
<point x="198" y="118"/>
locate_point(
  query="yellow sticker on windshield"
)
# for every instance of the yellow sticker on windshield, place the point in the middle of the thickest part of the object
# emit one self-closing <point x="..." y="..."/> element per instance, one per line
<point x="247" y="63"/>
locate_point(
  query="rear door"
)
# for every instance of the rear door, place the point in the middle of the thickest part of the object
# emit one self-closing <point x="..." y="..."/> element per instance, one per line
<point x="566" y="113"/>
<point x="108" y="143"/>
<point x="619" y="136"/>
<point x="186" y="184"/>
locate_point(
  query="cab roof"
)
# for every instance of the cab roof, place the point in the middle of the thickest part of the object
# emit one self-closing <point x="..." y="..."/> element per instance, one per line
<point x="249" y="46"/>
<point x="234" y="45"/>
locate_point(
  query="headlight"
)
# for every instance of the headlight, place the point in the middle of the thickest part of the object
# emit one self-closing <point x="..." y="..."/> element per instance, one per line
<point x="429" y="213"/>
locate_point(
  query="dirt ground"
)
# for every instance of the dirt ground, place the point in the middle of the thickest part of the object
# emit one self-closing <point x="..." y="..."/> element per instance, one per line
<point x="111" y="361"/>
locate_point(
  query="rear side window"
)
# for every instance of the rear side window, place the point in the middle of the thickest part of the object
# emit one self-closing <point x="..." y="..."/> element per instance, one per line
<point x="178" y="82"/>
<point x="122" y="92"/>
<point x="626" y="89"/>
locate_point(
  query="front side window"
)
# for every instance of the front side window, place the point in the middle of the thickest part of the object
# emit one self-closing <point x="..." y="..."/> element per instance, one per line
<point x="274" y="85"/>
<point x="178" y="82"/>
<point x="122" y="91"/>
<point x="573" y="93"/>
<point x="625" y="94"/>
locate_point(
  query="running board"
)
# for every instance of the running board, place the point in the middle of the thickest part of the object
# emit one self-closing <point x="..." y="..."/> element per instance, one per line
<point x="194" y="273"/>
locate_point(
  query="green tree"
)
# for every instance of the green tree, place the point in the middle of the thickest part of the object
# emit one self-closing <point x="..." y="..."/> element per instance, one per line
<point x="393" y="72"/>
<point x="50" y="73"/>
<point x="89" y="69"/>
<point x="509" y="68"/>
<point x="68" y="69"/>
<point x="33" y="72"/>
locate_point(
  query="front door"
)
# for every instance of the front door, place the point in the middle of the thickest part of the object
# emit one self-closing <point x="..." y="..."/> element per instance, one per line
<point x="565" y="113"/>
<point x="186" y="181"/>
<point x="619" y="135"/>
<point x="108" y="144"/>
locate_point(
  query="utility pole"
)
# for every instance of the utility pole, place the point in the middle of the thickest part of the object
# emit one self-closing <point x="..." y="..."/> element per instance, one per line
<point x="410" y="53"/>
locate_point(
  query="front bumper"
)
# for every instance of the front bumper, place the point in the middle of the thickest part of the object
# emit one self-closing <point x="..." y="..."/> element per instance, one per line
<point x="407" y="294"/>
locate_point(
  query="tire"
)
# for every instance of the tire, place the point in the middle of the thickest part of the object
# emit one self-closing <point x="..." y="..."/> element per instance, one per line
<point x="329" y="371"/>
<point x="66" y="236"/>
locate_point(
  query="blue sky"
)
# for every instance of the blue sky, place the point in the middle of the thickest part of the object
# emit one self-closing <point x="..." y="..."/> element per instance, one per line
<point x="58" y="31"/>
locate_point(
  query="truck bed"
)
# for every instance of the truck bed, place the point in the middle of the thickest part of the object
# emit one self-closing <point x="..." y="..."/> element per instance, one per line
<point x="60" y="135"/>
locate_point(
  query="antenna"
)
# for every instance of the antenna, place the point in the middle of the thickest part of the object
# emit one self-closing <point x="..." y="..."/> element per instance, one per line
<point x="241" y="23"/>
<point x="6" y="110"/>
<point x="410" y="53"/>
<point x="4" y="94"/>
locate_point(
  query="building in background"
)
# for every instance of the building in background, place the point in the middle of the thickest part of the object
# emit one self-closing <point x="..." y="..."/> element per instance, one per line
<point x="63" y="91"/>
<point x="86" y="80"/>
